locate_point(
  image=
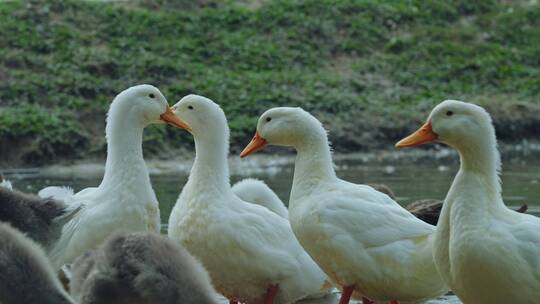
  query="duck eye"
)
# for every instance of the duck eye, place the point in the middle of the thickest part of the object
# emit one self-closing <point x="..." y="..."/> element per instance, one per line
<point x="268" y="119"/>
<point x="449" y="113"/>
<point x="190" y="107"/>
<point x="151" y="95"/>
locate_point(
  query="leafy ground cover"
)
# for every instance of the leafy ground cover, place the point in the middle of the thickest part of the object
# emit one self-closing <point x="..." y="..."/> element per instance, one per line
<point x="371" y="70"/>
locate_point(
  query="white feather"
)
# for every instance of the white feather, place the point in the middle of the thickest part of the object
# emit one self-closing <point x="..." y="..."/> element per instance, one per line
<point x="64" y="194"/>
<point x="257" y="192"/>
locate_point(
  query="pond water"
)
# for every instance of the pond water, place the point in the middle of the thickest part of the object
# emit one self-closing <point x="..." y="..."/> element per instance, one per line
<point x="409" y="178"/>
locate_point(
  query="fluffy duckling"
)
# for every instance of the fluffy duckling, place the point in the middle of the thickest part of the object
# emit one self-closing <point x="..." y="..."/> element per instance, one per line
<point x="484" y="251"/>
<point x="249" y="251"/>
<point x="365" y="242"/>
<point x="257" y="192"/>
<point x="125" y="199"/>
<point x="142" y="268"/>
<point x="41" y="219"/>
<point x="25" y="273"/>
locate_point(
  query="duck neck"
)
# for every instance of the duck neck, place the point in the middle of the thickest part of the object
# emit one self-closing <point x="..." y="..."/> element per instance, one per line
<point x="125" y="162"/>
<point x="476" y="188"/>
<point x="482" y="160"/>
<point x="210" y="169"/>
<point x="313" y="163"/>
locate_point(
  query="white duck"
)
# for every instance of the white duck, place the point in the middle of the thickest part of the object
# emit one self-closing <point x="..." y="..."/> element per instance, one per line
<point x="249" y="251"/>
<point x="366" y="242"/>
<point x="484" y="251"/>
<point x="257" y="192"/>
<point x="125" y="199"/>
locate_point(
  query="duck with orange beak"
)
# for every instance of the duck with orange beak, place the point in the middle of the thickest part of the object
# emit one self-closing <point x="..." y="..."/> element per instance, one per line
<point x="365" y="242"/>
<point x="249" y="251"/>
<point x="125" y="199"/>
<point x="485" y="252"/>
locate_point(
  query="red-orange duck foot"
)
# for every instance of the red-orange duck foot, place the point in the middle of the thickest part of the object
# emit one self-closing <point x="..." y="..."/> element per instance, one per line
<point x="271" y="293"/>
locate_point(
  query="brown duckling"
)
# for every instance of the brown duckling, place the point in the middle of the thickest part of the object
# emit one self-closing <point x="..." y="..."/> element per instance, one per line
<point x="384" y="189"/>
<point x="429" y="210"/>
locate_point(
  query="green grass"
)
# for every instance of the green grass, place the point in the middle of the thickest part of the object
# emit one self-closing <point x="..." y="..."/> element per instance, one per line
<point x="369" y="69"/>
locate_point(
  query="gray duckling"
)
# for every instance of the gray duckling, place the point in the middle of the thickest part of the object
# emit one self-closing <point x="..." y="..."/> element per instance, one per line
<point x="41" y="219"/>
<point x="141" y="268"/>
<point x="26" y="275"/>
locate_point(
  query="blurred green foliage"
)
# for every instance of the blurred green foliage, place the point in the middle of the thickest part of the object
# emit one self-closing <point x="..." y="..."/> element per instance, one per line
<point x="369" y="69"/>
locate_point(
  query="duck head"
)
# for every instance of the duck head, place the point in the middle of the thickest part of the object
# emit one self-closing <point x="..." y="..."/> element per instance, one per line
<point x="146" y="104"/>
<point x="455" y="123"/>
<point x="284" y="126"/>
<point x="203" y="117"/>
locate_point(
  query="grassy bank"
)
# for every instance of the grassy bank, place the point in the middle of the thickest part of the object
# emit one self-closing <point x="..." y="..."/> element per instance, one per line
<point x="370" y="69"/>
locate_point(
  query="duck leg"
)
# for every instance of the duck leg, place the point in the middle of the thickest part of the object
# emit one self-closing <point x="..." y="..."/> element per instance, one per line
<point x="367" y="301"/>
<point x="271" y="293"/>
<point x="346" y="294"/>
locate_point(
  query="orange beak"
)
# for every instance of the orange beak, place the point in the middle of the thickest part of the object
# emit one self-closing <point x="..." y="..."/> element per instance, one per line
<point x="423" y="135"/>
<point x="171" y="118"/>
<point x="256" y="144"/>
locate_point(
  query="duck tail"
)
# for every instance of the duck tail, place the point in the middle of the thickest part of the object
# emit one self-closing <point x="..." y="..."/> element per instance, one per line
<point x="4" y="183"/>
